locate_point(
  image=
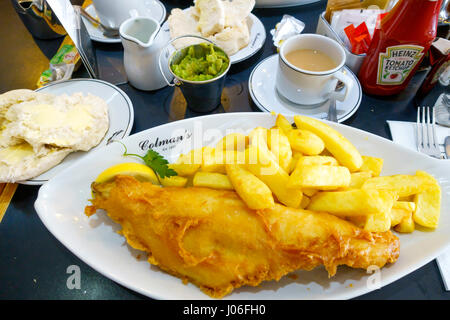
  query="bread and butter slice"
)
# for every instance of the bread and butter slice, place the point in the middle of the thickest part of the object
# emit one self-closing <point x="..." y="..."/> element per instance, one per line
<point x="211" y="16"/>
<point x="13" y="97"/>
<point x="232" y="39"/>
<point x="39" y="130"/>
<point x="20" y="162"/>
<point x="224" y="22"/>
<point x="183" y="22"/>
<point x="237" y="11"/>
<point x="78" y="122"/>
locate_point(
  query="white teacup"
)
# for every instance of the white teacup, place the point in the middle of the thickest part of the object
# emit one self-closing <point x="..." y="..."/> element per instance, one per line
<point x="306" y="87"/>
<point x="113" y="12"/>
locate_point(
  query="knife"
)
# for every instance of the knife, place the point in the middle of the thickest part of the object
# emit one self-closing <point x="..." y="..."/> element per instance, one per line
<point x="447" y="147"/>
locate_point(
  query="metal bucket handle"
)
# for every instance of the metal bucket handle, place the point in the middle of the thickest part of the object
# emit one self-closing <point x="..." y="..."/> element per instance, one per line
<point x="163" y="50"/>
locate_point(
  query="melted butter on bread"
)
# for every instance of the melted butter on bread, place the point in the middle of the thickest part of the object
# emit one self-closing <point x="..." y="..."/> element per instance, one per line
<point x="37" y="131"/>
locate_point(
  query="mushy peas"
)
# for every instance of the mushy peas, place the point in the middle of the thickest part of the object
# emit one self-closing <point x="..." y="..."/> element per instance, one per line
<point x="201" y="62"/>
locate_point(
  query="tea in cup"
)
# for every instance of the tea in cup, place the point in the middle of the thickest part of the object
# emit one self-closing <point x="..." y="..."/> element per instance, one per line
<point x="310" y="66"/>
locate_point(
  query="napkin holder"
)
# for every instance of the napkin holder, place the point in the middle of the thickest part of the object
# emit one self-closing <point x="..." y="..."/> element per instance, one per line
<point x="353" y="61"/>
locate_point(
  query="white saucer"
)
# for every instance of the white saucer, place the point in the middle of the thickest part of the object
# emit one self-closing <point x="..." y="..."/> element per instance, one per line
<point x="257" y="38"/>
<point x="155" y="10"/>
<point x="263" y="92"/>
<point x="120" y="110"/>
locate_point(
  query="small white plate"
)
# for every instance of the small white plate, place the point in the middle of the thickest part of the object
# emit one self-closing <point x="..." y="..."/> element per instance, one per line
<point x="61" y="202"/>
<point x="281" y="3"/>
<point x="155" y="10"/>
<point x="257" y="38"/>
<point x="263" y="92"/>
<point x="120" y="110"/>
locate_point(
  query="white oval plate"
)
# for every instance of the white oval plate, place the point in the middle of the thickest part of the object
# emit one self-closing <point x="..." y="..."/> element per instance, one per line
<point x="257" y="38"/>
<point x="61" y="202"/>
<point x="155" y="10"/>
<point x="120" y="110"/>
<point x="281" y="3"/>
<point x="261" y="85"/>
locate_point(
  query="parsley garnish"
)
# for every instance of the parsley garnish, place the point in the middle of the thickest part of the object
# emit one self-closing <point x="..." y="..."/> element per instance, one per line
<point x="155" y="161"/>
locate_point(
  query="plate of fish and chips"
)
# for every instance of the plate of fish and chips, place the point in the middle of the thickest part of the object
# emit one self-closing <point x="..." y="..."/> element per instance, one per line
<point x="362" y="218"/>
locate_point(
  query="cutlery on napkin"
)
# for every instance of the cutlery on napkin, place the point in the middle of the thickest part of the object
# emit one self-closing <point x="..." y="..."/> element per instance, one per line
<point x="404" y="133"/>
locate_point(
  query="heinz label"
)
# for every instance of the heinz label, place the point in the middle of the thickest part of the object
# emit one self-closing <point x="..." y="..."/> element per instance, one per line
<point x="395" y="65"/>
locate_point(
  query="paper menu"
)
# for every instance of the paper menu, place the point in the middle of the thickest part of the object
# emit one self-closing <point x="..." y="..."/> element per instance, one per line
<point x="70" y="18"/>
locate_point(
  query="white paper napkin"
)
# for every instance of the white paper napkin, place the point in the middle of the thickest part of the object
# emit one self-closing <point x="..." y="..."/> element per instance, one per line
<point x="404" y="133"/>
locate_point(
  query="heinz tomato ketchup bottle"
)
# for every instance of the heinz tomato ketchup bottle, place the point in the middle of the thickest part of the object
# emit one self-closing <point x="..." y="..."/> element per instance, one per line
<point x="398" y="46"/>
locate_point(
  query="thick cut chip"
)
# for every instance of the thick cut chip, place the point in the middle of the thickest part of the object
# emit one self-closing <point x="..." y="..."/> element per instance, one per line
<point x="428" y="203"/>
<point x="305" y="141"/>
<point x="317" y="160"/>
<point x="372" y="165"/>
<point x="173" y="181"/>
<point x="214" y="159"/>
<point x="295" y="157"/>
<point x="309" y="191"/>
<point x="355" y="202"/>
<point x="233" y="141"/>
<point x="378" y="222"/>
<point x="342" y="149"/>
<point x="282" y="123"/>
<point x="210" y="163"/>
<point x="279" y="145"/>
<point x="358" y="178"/>
<point x="320" y="177"/>
<point x="188" y="164"/>
<point x="401" y="210"/>
<point x="404" y="205"/>
<point x="402" y="184"/>
<point x="305" y="202"/>
<point x="255" y="193"/>
<point x="212" y="180"/>
<point x="263" y="165"/>
<point x="358" y="221"/>
<point x="258" y="137"/>
<point x="406" y="225"/>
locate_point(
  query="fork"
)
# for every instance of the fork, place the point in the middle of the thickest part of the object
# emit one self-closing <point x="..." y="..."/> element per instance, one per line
<point x="332" y="112"/>
<point x="426" y="133"/>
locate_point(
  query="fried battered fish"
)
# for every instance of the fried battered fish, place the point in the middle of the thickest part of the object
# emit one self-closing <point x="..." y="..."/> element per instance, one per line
<point x="212" y="239"/>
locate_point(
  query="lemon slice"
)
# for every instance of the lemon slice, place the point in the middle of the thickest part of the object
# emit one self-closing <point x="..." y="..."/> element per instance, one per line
<point x="139" y="171"/>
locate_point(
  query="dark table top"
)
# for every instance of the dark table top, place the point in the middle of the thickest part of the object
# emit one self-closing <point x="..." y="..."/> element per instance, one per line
<point x="33" y="264"/>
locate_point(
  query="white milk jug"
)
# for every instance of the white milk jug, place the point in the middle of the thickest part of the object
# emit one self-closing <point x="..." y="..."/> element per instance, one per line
<point x="142" y="43"/>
